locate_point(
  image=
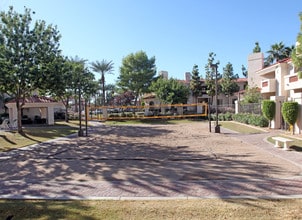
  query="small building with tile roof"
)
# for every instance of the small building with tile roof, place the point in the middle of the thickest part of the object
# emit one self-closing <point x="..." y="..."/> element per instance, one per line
<point x="36" y="109"/>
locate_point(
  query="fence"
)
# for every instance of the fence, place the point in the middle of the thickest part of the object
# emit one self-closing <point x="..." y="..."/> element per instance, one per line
<point x="254" y="108"/>
<point x="148" y="111"/>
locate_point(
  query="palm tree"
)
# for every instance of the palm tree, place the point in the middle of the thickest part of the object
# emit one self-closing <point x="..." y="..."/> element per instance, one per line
<point x="288" y="51"/>
<point x="102" y="67"/>
<point x="278" y="52"/>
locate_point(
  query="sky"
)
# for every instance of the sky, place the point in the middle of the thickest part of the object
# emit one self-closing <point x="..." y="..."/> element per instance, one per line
<point x="178" y="33"/>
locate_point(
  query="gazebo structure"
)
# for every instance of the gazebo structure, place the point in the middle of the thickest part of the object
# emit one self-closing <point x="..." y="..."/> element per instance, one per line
<point x="36" y="109"/>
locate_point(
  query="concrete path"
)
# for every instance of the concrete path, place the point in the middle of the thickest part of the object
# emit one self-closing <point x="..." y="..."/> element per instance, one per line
<point x="134" y="162"/>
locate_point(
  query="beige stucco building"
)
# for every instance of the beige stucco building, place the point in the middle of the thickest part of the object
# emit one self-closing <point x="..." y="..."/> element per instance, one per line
<point x="278" y="82"/>
<point x="222" y="100"/>
<point x="35" y="108"/>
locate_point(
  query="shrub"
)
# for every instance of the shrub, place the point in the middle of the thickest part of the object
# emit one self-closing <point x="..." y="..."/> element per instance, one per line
<point x="129" y="114"/>
<point x="221" y="117"/>
<point x="290" y="112"/>
<point x="269" y="110"/>
<point x="253" y="119"/>
<point x="262" y="121"/>
<point x="228" y="116"/>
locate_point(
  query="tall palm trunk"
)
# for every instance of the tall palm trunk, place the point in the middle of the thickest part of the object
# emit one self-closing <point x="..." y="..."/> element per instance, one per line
<point x="103" y="88"/>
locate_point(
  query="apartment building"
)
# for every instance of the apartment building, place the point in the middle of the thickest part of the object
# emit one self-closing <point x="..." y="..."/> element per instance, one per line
<point x="278" y="82"/>
<point x="222" y="99"/>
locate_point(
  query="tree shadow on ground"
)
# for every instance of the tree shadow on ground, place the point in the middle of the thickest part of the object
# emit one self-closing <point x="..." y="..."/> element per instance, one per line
<point x="143" y="160"/>
<point x="5" y="138"/>
<point x="27" y="209"/>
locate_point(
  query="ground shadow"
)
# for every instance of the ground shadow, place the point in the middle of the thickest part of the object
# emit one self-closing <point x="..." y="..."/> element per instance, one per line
<point x="296" y="148"/>
<point x="7" y="139"/>
<point x="134" y="160"/>
<point x="27" y="209"/>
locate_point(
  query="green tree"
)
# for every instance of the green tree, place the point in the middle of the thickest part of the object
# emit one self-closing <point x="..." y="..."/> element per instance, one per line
<point x="228" y="83"/>
<point x="244" y="71"/>
<point x="27" y="54"/>
<point x="137" y="73"/>
<point x="211" y="75"/>
<point x="269" y="110"/>
<point x="195" y="83"/>
<point x="170" y="91"/>
<point x="110" y="92"/>
<point x="78" y="67"/>
<point x="252" y="95"/>
<point x="257" y="48"/>
<point x="61" y="72"/>
<point x="290" y="111"/>
<point x="103" y="67"/>
<point x="297" y="51"/>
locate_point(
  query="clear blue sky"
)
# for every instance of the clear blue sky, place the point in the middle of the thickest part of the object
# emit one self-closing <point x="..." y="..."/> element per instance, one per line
<point x="179" y="33"/>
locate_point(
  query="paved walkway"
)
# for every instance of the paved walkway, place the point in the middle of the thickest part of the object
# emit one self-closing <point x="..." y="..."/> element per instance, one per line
<point x="106" y="166"/>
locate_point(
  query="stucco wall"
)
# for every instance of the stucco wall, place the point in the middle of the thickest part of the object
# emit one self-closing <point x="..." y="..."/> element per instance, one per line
<point x="255" y="63"/>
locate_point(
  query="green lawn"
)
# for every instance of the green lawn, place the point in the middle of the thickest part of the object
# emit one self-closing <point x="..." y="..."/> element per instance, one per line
<point x="152" y="209"/>
<point x="241" y="128"/>
<point x="12" y="139"/>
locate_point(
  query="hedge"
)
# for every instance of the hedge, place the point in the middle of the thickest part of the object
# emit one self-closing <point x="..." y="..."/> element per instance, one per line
<point x="290" y="112"/>
<point x="269" y="110"/>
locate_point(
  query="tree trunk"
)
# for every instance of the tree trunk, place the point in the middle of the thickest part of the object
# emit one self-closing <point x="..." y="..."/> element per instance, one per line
<point x="66" y="110"/>
<point x="76" y="109"/>
<point x="19" y="115"/>
<point x="103" y="89"/>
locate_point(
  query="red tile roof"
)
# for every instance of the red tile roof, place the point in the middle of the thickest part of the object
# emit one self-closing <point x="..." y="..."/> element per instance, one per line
<point x="36" y="99"/>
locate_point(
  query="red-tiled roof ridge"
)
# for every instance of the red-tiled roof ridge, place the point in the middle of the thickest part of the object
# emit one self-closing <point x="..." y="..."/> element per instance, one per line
<point x="284" y="60"/>
<point x="274" y="64"/>
<point x="36" y="99"/>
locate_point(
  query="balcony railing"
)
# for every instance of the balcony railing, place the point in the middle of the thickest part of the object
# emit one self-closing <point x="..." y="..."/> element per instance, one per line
<point x="268" y="85"/>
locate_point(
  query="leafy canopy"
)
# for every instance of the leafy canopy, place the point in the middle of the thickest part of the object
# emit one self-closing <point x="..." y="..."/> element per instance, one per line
<point x="211" y="75"/>
<point x="228" y="82"/>
<point x="28" y="53"/>
<point x="170" y="91"/>
<point x="195" y="83"/>
<point x="297" y="52"/>
<point x="252" y="95"/>
<point x="290" y="111"/>
<point x="269" y="110"/>
<point x="137" y="72"/>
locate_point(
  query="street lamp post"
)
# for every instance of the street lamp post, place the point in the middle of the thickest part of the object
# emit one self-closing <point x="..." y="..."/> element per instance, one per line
<point x="80" y="133"/>
<point x="209" y="115"/>
<point x="217" y="127"/>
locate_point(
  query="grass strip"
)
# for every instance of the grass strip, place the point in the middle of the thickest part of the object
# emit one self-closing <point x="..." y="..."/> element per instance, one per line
<point x="240" y="128"/>
<point x="153" y="209"/>
<point x="11" y="140"/>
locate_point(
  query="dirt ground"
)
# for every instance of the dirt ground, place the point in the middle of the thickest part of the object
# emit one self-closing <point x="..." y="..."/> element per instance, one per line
<point x="144" y="156"/>
<point x="156" y="152"/>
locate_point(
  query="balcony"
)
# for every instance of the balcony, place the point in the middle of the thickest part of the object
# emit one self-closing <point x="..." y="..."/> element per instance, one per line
<point x="292" y="82"/>
<point x="268" y="85"/>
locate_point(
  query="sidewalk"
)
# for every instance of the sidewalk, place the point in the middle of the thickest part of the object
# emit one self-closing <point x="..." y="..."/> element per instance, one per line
<point x="152" y="162"/>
